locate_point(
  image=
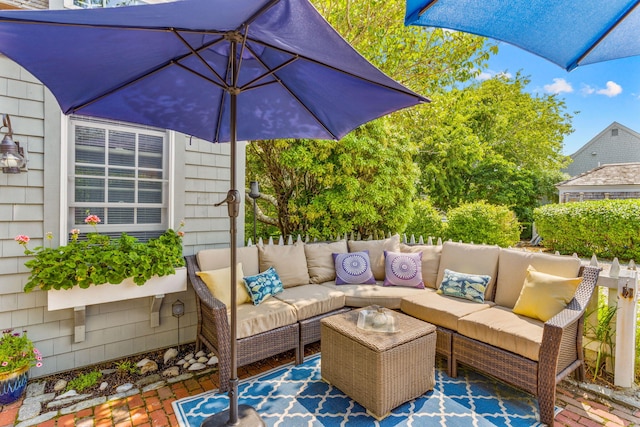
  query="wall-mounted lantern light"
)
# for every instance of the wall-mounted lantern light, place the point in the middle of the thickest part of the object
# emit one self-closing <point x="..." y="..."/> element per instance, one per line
<point x="11" y="154"/>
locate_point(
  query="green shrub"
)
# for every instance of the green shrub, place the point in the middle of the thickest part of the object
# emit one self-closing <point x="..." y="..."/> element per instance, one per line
<point x="607" y="228"/>
<point x="480" y="222"/>
<point x="426" y="221"/>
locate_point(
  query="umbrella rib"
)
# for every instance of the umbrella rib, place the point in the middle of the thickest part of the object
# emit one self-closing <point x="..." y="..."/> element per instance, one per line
<point x="116" y="89"/>
<point x="282" y="84"/>
<point x="602" y="37"/>
<point x="260" y="11"/>
<point x="315" y="61"/>
<point x="427" y="7"/>
<point x="197" y="53"/>
<point x="250" y="85"/>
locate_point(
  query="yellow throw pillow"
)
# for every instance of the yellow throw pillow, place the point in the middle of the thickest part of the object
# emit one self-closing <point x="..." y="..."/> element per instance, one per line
<point x="545" y="295"/>
<point x="218" y="282"/>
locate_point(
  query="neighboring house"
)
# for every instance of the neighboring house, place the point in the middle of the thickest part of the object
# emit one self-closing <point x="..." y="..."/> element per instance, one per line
<point x="614" y="181"/>
<point x="615" y="144"/>
<point x="77" y="164"/>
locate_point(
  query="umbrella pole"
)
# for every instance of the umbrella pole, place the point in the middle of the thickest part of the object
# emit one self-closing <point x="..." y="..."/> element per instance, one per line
<point x="242" y="415"/>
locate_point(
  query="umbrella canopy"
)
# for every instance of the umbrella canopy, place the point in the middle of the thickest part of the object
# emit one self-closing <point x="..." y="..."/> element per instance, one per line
<point x="168" y="65"/>
<point x="220" y="70"/>
<point x="567" y="32"/>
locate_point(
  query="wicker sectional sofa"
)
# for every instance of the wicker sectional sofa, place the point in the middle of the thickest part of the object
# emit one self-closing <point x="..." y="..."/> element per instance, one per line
<point x="488" y="336"/>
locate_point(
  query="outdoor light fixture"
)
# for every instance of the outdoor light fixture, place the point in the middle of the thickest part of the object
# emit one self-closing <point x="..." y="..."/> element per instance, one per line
<point x="11" y="154"/>
<point x="177" y="308"/>
<point x="254" y="193"/>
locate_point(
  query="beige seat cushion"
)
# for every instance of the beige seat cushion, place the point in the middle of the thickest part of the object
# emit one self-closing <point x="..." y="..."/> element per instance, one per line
<point x="430" y="261"/>
<point x="270" y="314"/>
<point x="470" y="259"/>
<point x="365" y="295"/>
<point x="440" y="310"/>
<point x="500" y="327"/>
<point x="376" y="250"/>
<point x="288" y="260"/>
<point x="320" y="259"/>
<point x="213" y="259"/>
<point x="512" y="270"/>
<point x="312" y="300"/>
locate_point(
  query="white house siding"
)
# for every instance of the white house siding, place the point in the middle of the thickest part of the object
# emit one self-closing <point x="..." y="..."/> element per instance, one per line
<point x="605" y="148"/>
<point x="31" y="203"/>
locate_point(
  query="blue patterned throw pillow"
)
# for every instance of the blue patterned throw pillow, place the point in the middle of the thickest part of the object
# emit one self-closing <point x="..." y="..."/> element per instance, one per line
<point x="353" y="268"/>
<point x="463" y="285"/>
<point x="263" y="285"/>
<point x="403" y="269"/>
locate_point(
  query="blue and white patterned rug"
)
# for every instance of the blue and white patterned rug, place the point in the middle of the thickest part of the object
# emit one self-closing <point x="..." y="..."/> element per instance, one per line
<point x="296" y="396"/>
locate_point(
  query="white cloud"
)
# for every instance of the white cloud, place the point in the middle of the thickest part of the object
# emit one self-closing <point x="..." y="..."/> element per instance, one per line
<point x="558" y="86"/>
<point x="613" y="89"/>
<point x="489" y="74"/>
<point x="587" y="90"/>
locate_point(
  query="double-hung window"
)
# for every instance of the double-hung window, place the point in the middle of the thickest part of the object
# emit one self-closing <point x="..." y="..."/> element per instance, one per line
<point x="120" y="173"/>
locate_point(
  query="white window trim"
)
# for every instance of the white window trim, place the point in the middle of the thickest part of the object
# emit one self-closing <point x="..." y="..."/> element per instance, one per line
<point x="65" y="164"/>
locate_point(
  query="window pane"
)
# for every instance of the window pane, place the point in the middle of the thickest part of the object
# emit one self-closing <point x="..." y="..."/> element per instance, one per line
<point x="89" y="190"/>
<point x="122" y="173"/>
<point x="89" y="170"/>
<point x="122" y="148"/>
<point x="90" y="144"/>
<point x="149" y="174"/>
<point x="149" y="216"/>
<point x="149" y="192"/>
<point x="150" y="151"/>
<point x="121" y="191"/>
<point x="120" y="216"/>
<point x="81" y="213"/>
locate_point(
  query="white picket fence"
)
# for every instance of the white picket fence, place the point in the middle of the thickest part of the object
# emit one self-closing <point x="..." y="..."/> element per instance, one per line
<point x="620" y="283"/>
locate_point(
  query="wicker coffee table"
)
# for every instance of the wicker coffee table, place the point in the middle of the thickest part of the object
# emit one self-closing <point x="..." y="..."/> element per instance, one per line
<point x="379" y="370"/>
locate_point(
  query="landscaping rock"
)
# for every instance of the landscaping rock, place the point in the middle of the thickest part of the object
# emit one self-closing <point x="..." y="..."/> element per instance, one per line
<point x="124" y="387"/>
<point x="169" y="355"/>
<point x="60" y="385"/>
<point x="173" y="371"/>
<point x="197" y="366"/>
<point x="150" y="366"/>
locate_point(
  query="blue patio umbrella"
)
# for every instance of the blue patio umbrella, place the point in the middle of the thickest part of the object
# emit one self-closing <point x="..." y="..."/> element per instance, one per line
<point x="567" y="32"/>
<point x="220" y="70"/>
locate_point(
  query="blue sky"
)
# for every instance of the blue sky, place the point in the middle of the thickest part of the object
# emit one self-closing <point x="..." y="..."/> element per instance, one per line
<point x="602" y="93"/>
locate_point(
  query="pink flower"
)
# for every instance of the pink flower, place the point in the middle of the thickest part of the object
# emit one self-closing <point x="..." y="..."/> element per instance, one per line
<point x="38" y="365"/>
<point x="5" y="363"/>
<point x="181" y="233"/>
<point x="75" y="231"/>
<point x="92" y="220"/>
<point x="22" y="239"/>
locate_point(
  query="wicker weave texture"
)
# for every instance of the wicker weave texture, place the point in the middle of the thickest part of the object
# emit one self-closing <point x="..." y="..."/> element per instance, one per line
<point x="378" y="380"/>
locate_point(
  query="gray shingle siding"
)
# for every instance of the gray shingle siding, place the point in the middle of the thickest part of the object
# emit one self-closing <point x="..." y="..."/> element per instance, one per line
<point x="606" y="149"/>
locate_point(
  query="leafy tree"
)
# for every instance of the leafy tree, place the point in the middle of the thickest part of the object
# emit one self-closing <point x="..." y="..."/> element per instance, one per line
<point x="481" y="222"/>
<point x="426" y="221"/>
<point x="366" y="181"/>
<point x="494" y="141"/>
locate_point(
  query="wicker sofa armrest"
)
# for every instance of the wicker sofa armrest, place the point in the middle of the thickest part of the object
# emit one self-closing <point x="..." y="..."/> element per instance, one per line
<point x="201" y="289"/>
<point x="561" y="349"/>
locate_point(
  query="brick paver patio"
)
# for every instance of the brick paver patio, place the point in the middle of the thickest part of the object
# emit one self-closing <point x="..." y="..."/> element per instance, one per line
<point x="153" y="408"/>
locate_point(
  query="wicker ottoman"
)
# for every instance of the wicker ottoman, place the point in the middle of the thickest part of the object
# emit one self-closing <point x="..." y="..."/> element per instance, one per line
<point x="378" y="370"/>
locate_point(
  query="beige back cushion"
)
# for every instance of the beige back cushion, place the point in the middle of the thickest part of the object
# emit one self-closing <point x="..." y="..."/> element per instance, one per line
<point x="213" y="259"/>
<point x="430" y="261"/>
<point x="320" y="260"/>
<point x="470" y="259"/>
<point x="376" y="250"/>
<point x="512" y="270"/>
<point x="288" y="260"/>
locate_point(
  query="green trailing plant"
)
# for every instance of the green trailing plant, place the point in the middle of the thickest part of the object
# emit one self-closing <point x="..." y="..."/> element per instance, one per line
<point x="99" y="259"/>
<point x="127" y="367"/>
<point x="602" y="333"/>
<point x="84" y="381"/>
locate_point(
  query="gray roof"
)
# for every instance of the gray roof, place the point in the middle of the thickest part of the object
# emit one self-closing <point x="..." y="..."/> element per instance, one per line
<point x="613" y="174"/>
